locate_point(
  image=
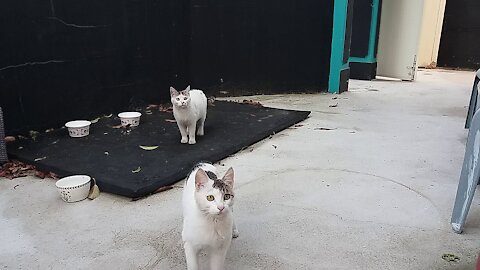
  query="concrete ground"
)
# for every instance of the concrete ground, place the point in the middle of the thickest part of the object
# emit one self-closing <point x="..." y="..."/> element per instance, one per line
<point x="374" y="192"/>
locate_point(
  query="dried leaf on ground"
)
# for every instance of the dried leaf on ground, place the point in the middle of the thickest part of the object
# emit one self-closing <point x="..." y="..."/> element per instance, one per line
<point x="95" y="120"/>
<point x="14" y="169"/>
<point x="137" y="170"/>
<point x="163" y="189"/>
<point x="170" y="120"/>
<point x="9" y="139"/>
<point x="152" y="106"/>
<point x="450" y="257"/>
<point x="148" y="148"/>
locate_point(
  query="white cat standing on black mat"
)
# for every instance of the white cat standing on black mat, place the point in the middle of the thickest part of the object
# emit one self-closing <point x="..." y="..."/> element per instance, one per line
<point x="190" y="111"/>
<point x="207" y="216"/>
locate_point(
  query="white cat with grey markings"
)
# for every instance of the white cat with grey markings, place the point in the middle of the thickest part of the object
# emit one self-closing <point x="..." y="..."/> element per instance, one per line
<point x="208" y="223"/>
<point x="190" y="112"/>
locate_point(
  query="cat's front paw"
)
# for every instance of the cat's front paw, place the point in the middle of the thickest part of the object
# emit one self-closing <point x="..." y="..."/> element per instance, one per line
<point x="235" y="233"/>
<point x="192" y="141"/>
<point x="184" y="140"/>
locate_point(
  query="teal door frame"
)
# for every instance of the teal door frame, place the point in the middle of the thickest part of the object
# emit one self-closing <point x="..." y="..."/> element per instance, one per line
<point x="371" y="56"/>
<point x="340" y="36"/>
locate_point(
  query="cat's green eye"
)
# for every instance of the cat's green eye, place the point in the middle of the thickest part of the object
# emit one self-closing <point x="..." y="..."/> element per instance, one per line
<point x="227" y="196"/>
<point x="210" y="198"/>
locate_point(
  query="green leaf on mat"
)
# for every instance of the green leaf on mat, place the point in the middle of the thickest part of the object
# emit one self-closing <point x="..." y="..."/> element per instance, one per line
<point x="148" y="148"/>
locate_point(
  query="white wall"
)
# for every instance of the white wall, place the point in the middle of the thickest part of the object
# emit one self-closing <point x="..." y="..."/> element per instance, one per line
<point x="431" y="31"/>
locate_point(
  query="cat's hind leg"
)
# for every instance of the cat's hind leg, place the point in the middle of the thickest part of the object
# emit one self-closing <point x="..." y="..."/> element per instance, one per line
<point x="191" y="254"/>
<point x="200" y="125"/>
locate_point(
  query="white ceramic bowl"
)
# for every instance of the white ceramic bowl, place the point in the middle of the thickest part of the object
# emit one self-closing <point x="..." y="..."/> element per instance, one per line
<point x="78" y="128"/>
<point x="74" y="188"/>
<point x="130" y="118"/>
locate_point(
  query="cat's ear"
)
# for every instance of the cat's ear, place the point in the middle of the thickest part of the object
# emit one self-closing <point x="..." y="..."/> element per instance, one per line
<point x="187" y="89"/>
<point x="201" y="178"/>
<point x="228" y="177"/>
<point x="173" y="92"/>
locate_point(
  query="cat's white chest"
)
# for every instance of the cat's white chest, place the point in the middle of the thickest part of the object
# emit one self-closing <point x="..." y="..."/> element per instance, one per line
<point x="209" y="233"/>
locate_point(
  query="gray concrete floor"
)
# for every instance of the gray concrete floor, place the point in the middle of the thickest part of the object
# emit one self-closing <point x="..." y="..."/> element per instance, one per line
<point x="375" y="192"/>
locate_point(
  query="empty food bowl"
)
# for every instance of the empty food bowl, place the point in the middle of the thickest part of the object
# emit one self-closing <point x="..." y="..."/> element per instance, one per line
<point x="130" y="118"/>
<point x="78" y="128"/>
<point x="74" y="188"/>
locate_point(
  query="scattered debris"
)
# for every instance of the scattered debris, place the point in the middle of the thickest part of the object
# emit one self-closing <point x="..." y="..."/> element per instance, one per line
<point x="274" y="146"/>
<point x="324" y="128"/>
<point x="15" y="187"/>
<point x="20" y="147"/>
<point x="148" y="148"/>
<point x="152" y="106"/>
<point x="299" y="125"/>
<point x="9" y="139"/>
<point x="105" y="133"/>
<point x="251" y="102"/>
<point x="55" y="142"/>
<point x="148" y="112"/>
<point x="49" y="130"/>
<point x="335" y="97"/>
<point x="165" y="108"/>
<point x="450" y="257"/>
<point x="14" y="169"/>
<point x="170" y="120"/>
<point x="118" y="126"/>
<point x="211" y="101"/>
<point x="39" y="159"/>
<point x="34" y="134"/>
<point x="223" y="92"/>
<point x="137" y="170"/>
<point x="106" y="153"/>
<point x="333" y="105"/>
<point x="108" y="116"/>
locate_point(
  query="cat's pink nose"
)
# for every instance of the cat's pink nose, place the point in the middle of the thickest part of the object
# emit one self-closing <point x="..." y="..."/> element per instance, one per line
<point x="220" y="208"/>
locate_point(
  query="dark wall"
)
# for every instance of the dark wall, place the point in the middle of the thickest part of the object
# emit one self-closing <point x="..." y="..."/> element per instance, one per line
<point x="459" y="44"/>
<point x="69" y="59"/>
<point x="362" y="17"/>
<point x="64" y="59"/>
<point x="248" y="46"/>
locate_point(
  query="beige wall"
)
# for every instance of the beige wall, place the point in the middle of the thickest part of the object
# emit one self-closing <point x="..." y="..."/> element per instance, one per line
<point x="431" y="31"/>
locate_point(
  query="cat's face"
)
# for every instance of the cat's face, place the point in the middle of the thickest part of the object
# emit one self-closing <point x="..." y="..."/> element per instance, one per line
<point x="180" y="99"/>
<point x="214" y="197"/>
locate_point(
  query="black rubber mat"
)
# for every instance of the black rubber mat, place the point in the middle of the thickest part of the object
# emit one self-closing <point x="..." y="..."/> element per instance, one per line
<point x="114" y="157"/>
